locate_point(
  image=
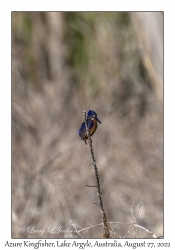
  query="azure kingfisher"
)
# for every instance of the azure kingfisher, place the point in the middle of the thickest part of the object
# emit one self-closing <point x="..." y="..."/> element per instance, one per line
<point x="92" y="120"/>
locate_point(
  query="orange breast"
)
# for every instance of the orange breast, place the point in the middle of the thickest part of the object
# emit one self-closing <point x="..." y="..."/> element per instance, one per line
<point x="94" y="127"/>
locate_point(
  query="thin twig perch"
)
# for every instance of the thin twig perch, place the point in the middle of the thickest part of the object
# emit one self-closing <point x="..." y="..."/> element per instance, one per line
<point x="106" y="227"/>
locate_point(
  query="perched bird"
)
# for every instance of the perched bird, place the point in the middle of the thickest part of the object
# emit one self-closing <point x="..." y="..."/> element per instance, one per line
<point x="91" y="123"/>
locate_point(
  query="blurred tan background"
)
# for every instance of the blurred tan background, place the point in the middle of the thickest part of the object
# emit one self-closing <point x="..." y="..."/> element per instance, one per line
<point x="62" y="64"/>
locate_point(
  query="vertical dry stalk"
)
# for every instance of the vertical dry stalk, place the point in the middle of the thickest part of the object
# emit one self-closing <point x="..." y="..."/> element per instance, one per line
<point x="106" y="227"/>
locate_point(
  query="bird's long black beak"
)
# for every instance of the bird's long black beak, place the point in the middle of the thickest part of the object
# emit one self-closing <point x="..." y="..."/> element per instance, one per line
<point x="97" y="119"/>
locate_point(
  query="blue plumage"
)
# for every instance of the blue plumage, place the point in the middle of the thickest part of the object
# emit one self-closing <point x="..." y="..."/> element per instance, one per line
<point x="91" y="123"/>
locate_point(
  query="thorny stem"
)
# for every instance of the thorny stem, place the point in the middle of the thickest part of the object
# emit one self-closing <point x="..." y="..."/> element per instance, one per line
<point x="106" y="228"/>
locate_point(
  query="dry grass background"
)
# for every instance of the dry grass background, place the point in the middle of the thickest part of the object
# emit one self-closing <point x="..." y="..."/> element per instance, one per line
<point x="62" y="64"/>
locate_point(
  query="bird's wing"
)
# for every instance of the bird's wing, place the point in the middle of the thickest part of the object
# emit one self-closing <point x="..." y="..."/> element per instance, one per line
<point x="82" y="130"/>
